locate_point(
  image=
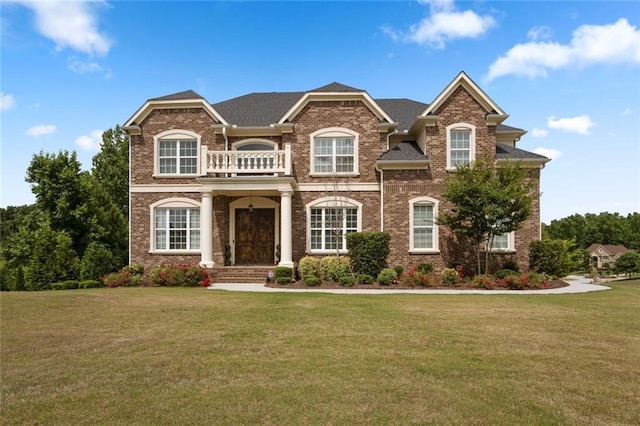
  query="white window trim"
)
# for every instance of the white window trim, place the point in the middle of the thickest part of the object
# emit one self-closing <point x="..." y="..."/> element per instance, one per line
<point x="332" y="132"/>
<point x="168" y="203"/>
<point x="175" y="134"/>
<point x="511" y="245"/>
<point x="472" y="142"/>
<point x="436" y="240"/>
<point x="237" y="144"/>
<point x="331" y="202"/>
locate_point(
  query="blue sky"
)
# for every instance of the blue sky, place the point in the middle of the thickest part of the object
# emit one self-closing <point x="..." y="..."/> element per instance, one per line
<point x="567" y="72"/>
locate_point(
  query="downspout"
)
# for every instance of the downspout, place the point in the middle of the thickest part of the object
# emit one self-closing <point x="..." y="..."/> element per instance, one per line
<point x="129" y="210"/>
<point x="382" y="184"/>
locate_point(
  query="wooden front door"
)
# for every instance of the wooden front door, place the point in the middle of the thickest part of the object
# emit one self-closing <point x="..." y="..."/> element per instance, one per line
<point x="255" y="236"/>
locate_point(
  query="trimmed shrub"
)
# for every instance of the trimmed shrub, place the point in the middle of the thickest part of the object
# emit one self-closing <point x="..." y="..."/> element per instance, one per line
<point x="425" y="267"/>
<point x="333" y="268"/>
<point x="182" y="275"/>
<point x="387" y="276"/>
<point x="417" y="276"/>
<point x="511" y="265"/>
<point x="284" y="280"/>
<point x="309" y="265"/>
<point x="450" y="277"/>
<point x="347" y="281"/>
<point x="97" y="261"/>
<point x="135" y="269"/>
<point x="368" y="251"/>
<point x="311" y="280"/>
<point x="121" y="278"/>
<point x="483" y="281"/>
<point x="399" y="269"/>
<point x="65" y="285"/>
<point x="502" y="273"/>
<point x="552" y="257"/>
<point x="364" y="278"/>
<point x="90" y="284"/>
<point x="57" y="286"/>
<point x="283" y="274"/>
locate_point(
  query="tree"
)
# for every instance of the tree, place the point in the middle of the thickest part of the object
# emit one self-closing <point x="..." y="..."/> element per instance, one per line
<point x="486" y="201"/>
<point x="628" y="263"/>
<point x="111" y="167"/>
<point x="57" y="182"/>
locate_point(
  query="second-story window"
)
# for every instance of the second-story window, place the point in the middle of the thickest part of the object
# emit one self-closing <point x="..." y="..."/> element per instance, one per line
<point x="177" y="153"/>
<point x="461" y="145"/>
<point x="334" y="151"/>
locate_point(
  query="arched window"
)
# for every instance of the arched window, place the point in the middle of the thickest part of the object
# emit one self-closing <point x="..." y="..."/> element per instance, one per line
<point x="176" y="153"/>
<point x="423" y="237"/>
<point x="461" y="144"/>
<point x="334" y="150"/>
<point x="175" y="226"/>
<point x="329" y="219"/>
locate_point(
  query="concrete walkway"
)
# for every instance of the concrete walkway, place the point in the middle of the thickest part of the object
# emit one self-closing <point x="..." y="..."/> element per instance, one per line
<point x="577" y="284"/>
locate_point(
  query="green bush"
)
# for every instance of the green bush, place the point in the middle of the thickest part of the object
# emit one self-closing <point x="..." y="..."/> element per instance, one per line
<point x="121" y="278"/>
<point x="97" y="261"/>
<point x="399" y="269"/>
<point x="165" y="275"/>
<point x="554" y="257"/>
<point x="135" y="269"/>
<point x="364" y="278"/>
<point x="311" y="280"/>
<point x="450" y="277"/>
<point x="333" y="268"/>
<point x="284" y="280"/>
<point x="347" y="281"/>
<point x="425" y="268"/>
<point x="502" y="273"/>
<point x="387" y="276"/>
<point x="57" y="286"/>
<point x="418" y="276"/>
<point x="511" y="265"/>
<point x="309" y="265"/>
<point x="90" y="284"/>
<point x="283" y="272"/>
<point x="483" y="281"/>
<point x="65" y="285"/>
<point x="368" y="251"/>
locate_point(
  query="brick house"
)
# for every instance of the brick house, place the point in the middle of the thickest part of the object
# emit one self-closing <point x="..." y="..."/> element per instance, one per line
<point x="267" y="178"/>
<point x="602" y="255"/>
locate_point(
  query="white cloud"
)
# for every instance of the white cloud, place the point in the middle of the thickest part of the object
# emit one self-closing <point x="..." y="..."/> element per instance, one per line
<point x="548" y="152"/>
<point x="539" y="133"/>
<point x="70" y="24"/>
<point x="539" y="33"/>
<point x="41" y="130"/>
<point x="580" y="124"/>
<point x="90" y="142"/>
<point x="443" y="24"/>
<point x="617" y="43"/>
<point x="627" y="111"/>
<point x="6" y="102"/>
<point x="80" y="67"/>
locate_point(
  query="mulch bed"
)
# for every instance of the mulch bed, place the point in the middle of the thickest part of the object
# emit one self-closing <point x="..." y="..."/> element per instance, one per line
<point x="464" y="286"/>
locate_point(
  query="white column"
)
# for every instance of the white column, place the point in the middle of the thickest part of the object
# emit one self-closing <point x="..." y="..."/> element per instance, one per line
<point x="206" y="230"/>
<point x="285" y="230"/>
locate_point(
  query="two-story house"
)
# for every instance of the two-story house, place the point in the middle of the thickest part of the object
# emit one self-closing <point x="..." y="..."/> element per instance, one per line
<point x="267" y="178"/>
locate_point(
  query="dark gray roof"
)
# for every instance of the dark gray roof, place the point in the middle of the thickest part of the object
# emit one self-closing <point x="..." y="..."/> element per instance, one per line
<point x="404" y="151"/>
<point x="504" y="128"/>
<point x="187" y="94"/>
<point x="403" y="111"/>
<point x="336" y="87"/>
<point x="257" y="109"/>
<point x="506" y="152"/>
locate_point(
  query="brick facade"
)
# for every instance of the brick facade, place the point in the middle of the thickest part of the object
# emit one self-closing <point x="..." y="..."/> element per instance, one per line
<point x="397" y="185"/>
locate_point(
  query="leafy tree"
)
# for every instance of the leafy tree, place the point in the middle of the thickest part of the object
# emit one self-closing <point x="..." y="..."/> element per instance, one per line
<point x="603" y="228"/>
<point x="97" y="261"/>
<point x="57" y="182"/>
<point x="10" y="220"/>
<point x="628" y="263"/>
<point x="486" y="201"/>
<point x="111" y="167"/>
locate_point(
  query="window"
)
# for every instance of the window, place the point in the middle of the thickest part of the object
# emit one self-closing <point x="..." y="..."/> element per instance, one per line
<point x="460" y="145"/>
<point x="334" y="150"/>
<point x="329" y="221"/>
<point x="503" y="242"/>
<point x="175" y="225"/>
<point x="177" y="153"/>
<point x="423" y="236"/>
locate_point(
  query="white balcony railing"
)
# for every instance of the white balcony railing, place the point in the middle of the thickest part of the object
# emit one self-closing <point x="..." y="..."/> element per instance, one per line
<point x="247" y="162"/>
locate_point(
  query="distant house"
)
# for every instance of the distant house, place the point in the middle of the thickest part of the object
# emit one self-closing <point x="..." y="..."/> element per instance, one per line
<point x="605" y="254"/>
<point x="267" y="178"/>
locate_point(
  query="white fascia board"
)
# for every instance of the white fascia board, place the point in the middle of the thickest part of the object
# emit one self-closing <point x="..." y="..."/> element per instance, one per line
<point x="335" y="96"/>
<point x="342" y="187"/>
<point x="158" y="187"/>
<point x="142" y="113"/>
<point x="463" y="80"/>
<point x="403" y="165"/>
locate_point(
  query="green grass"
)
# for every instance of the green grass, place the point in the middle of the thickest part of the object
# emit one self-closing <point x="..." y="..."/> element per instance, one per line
<point x="195" y="356"/>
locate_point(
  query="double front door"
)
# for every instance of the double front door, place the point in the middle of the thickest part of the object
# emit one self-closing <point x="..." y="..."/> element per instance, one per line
<point x="255" y="236"/>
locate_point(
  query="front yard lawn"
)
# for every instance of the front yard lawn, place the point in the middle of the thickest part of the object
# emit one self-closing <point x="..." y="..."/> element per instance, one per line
<point x="196" y="356"/>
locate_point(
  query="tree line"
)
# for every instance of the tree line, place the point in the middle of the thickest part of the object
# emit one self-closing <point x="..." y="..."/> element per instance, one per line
<point x="78" y="226"/>
<point x="603" y="228"/>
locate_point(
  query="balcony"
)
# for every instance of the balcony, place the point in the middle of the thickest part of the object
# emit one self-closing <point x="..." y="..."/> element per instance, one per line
<point x="237" y="163"/>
